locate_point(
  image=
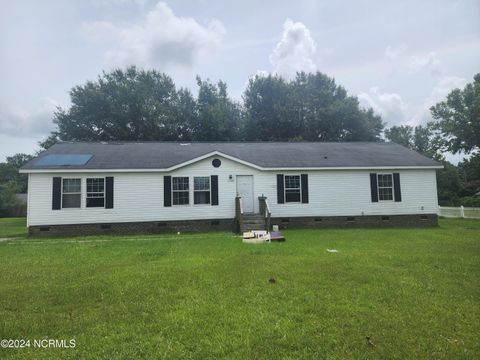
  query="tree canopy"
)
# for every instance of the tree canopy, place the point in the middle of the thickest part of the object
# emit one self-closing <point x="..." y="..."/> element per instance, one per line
<point x="311" y="107"/>
<point x="136" y="105"/>
<point x="458" y="118"/>
<point x="11" y="182"/>
<point x="218" y="118"/>
<point x="9" y="171"/>
<point x="122" y="105"/>
<point x="455" y="128"/>
<point x="422" y="139"/>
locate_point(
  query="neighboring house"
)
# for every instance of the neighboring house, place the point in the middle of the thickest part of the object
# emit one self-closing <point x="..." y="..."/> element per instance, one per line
<point x="84" y="188"/>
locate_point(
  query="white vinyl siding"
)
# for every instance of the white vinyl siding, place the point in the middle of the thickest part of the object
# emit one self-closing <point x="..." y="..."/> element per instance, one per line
<point x="139" y="196"/>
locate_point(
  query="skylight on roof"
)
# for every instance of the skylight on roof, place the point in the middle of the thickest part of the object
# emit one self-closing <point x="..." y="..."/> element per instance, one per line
<point x="63" y="160"/>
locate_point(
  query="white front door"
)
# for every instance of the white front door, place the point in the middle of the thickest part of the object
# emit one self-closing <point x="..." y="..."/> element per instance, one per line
<point x="245" y="191"/>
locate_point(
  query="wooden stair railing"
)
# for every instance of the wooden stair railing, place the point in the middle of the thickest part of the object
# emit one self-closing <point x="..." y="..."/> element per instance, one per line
<point x="239" y="213"/>
<point x="265" y="211"/>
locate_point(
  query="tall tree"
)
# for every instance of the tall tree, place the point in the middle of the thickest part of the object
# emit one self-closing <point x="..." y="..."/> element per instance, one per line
<point x="458" y="118"/>
<point x="122" y="105"/>
<point x="422" y="139"/>
<point x="449" y="185"/>
<point x="19" y="159"/>
<point x="8" y="197"/>
<point x="425" y="140"/>
<point x="327" y="113"/>
<point x="186" y="115"/>
<point x="269" y="111"/>
<point x="136" y="104"/>
<point x="311" y="107"/>
<point x="218" y="116"/>
<point x="49" y="141"/>
<point x="469" y="170"/>
<point x="402" y="135"/>
<point x="9" y="172"/>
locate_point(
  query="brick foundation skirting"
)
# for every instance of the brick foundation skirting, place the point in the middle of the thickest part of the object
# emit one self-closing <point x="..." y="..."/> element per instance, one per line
<point x="372" y="221"/>
<point x="150" y="227"/>
<point x="362" y="221"/>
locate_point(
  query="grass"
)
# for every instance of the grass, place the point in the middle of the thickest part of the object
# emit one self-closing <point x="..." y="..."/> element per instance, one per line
<point x="415" y="292"/>
<point x="12" y="227"/>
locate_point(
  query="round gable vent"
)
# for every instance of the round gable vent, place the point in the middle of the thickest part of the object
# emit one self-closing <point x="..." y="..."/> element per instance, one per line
<point x="216" y="163"/>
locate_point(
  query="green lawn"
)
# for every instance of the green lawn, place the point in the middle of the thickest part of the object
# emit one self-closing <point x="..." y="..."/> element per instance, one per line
<point x="12" y="227"/>
<point x="415" y="292"/>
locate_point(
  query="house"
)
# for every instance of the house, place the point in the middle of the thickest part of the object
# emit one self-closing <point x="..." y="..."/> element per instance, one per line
<point x="80" y="188"/>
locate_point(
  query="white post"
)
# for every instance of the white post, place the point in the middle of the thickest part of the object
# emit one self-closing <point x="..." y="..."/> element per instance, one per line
<point x="462" y="212"/>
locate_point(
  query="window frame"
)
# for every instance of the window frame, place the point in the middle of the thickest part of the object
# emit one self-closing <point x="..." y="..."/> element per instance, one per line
<point x="95" y="192"/>
<point x="71" y="193"/>
<point x="385" y="187"/>
<point x="209" y="190"/>
<point x="285" y="189"/>
<point x="187" y="191"/>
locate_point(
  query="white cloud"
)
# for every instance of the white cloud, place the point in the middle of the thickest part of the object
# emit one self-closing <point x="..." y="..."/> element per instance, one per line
<point x="444" y="86"/>
<point x="13" y="144"/>
<point x="161" y="39"/>
<point x="395" y="111"/>
<point x="22" y="123"/>
<point x="394" y="52"/>
<point x="439" y="93"/>
<point x="390" y="106"/>
<point x="429" y="62"/>
<point x="101" y="3"/>
<point x="295" y="51"/>
<point x="100" y="31"/>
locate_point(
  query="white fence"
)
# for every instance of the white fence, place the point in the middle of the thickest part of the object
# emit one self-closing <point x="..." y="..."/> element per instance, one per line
<point x="459" y="212"/>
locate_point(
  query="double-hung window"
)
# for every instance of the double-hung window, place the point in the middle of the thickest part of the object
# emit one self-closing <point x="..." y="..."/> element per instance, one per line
<point x="385" y="187"/>
<point x="71" y="193"/>
<point x="292" y="188"/>
<point x="95" y="192"/>
<point x="201" y="190"/>
<point x="180" y="191"/>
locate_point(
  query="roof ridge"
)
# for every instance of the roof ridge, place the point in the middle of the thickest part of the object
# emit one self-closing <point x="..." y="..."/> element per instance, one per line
<point x="226" y="142"/>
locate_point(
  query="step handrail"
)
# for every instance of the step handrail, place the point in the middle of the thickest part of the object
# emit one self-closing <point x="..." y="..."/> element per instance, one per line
<point x="239" y="213"/>
<point x="265" y="211"/>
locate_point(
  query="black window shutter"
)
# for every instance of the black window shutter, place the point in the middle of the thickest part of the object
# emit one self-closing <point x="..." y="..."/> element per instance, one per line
<point x="57" y="193"/>
<point x="167" y="191"/>
<point x="373" y="187"/>
<point x="109" y="192"/>
<point x="396" y="187"/>
<point x="280" y="188"/>
<point x="304" y="178"/>
<point x="214" y="189"/>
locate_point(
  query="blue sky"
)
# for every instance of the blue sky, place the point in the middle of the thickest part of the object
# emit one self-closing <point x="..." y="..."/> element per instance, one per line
<point x="397" y="57"/>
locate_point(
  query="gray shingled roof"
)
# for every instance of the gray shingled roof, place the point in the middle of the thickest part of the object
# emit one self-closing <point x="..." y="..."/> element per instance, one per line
<point x="162" y="155"/>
